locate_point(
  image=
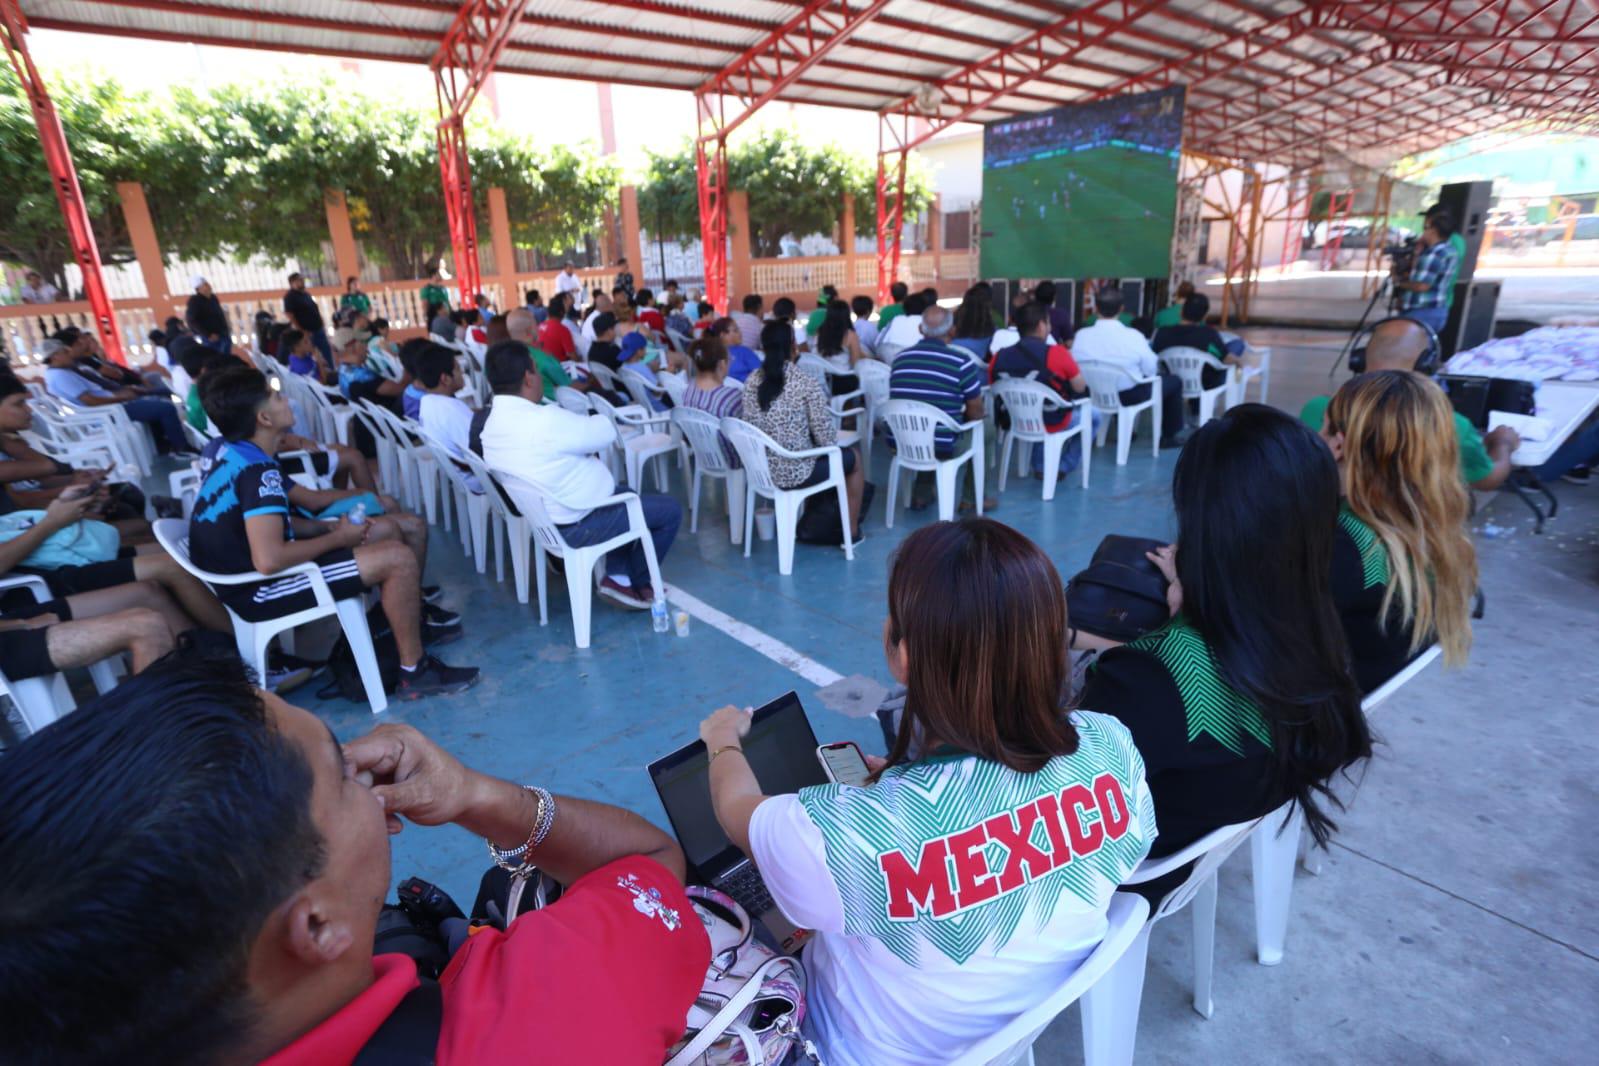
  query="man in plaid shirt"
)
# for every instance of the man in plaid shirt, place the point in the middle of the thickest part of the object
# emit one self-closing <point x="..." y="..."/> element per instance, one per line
<point x="1424" y="296"/>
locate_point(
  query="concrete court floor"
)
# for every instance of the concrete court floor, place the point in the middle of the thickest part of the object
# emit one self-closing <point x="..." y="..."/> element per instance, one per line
<point x="1453" y="920"/>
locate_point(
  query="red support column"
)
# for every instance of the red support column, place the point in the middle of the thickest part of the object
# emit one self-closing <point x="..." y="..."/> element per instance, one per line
<point x="892" y="159"/>
<point x="63" y="177"/>
<point x="710" y="173"/>
<point x="461" y="67"/>
<point x="754" y="78"/>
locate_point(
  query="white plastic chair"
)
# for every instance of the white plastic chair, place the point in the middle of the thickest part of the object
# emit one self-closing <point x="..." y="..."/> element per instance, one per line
<point x="675" y="385"/>
<point x="471" y="506"/>
<point x="252" y="638"/>
<point x="415" y="463"/>
<point x="838" y="405"/>
<point x="573" y="400"/>
<point x="914" y="425"/>
<point x="644" y="392"/>
<point x="1026" y="401"/>
<point x="606" y="377"/>
<point x="1310" y="856"/>
<point x="874" y="378"/>
<point x="1189" y="364"/>
<point x="1103" y="380"/>
<point x="1110" y="1020"/>
<point x="43" y="699"/>
<point x="1013" y="1045"/>
<point x="703" y="431"/>
<point x="334" y="411"/>
<point x="581" y="563"/>
<point x="640" y="437"/>
<point x="754" y="448"/>
<point x="65" y="432"/>
<point x="1260" y="369"/>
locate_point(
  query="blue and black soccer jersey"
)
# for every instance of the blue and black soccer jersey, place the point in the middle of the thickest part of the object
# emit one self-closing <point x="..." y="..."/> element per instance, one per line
<point x="239" y="481"/>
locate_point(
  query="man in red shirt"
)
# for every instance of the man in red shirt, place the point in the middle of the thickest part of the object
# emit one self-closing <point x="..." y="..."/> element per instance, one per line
<point x="651" y="315"/>
<point x="554" y="336"/>
<point x="1053" y="365"/>
<point x="226" y="860"/>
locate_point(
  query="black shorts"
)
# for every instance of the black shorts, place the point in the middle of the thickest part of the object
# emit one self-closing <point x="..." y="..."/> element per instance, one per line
<point x="67" y="581"/>
<point x="263" y="601"/>
<point x="25" y="653"/>
<point x="821" y="468"/>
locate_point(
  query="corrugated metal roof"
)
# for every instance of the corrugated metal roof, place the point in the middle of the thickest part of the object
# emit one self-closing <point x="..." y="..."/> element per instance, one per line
<point x="1287" y="80"/>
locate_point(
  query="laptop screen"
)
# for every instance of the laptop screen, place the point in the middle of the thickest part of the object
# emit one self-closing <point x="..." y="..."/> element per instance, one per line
<point x="781" y="749"/>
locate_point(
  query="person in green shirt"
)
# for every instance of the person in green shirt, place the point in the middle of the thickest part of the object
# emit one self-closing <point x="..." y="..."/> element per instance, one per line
<point x="813" y="324"/>
<point x="1396" y="345"/>
<point x="354" y="299"/>
<point x="1457" y="244"/>
<point x="434" y="292"/>
<point x="520" y="326"/>
<point x="1172" y="313"/>
<point x="899" y="290"/>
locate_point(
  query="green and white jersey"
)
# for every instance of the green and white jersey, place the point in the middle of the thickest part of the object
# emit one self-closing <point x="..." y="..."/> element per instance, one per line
<point x="953" y="865"/>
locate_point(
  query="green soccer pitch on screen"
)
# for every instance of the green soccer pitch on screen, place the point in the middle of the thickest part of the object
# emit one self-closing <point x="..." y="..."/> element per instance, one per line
<point x="1086" y="190"/>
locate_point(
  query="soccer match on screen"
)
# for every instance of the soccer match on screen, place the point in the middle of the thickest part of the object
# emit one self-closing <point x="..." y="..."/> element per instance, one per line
<point x="1088" y="190"/>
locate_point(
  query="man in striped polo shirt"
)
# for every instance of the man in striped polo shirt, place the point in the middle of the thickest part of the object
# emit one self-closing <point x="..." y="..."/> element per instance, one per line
<point x="936" y="372"/>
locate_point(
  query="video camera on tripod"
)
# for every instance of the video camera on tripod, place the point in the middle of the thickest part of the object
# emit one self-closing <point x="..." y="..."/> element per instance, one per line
<point x="1401" y="257"/>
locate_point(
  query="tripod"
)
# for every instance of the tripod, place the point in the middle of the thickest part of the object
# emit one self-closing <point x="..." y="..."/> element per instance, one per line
<point x="1360" y="327"/>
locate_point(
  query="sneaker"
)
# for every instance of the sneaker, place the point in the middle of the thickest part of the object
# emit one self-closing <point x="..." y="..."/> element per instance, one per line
<point x="432" y="678"/>
<point x="1578" y="475"/>
<point x="438" y="616"/>
<point x="435" y="635"/>
<point x="277" y="659"/>
<point x="286" y="680"/>
<point x="622" y="594"/>
<point x="432" y="593"/>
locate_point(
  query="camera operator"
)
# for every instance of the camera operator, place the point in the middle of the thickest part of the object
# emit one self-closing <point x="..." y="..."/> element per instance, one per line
<point x="1424" y="290"/>
<point x="193" y="870"/>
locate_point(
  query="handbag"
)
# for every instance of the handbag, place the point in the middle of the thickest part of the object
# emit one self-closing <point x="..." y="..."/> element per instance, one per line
<point x="748" y="1012"/>
<point x="80" y="544"/>
<point x="1121" y="595"/>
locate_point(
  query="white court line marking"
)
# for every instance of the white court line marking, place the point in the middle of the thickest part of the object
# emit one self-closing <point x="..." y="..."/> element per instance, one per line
<point x="747" y="635"/>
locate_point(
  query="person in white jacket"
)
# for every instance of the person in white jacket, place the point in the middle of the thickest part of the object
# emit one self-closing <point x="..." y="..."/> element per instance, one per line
<point x="551" y="452"/>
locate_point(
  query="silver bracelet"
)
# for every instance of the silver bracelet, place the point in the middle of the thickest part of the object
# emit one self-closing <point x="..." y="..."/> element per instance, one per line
<point x="541" y="829"/>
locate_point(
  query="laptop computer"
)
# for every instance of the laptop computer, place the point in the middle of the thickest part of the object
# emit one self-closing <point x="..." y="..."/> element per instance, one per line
<point x="781" y="749"/>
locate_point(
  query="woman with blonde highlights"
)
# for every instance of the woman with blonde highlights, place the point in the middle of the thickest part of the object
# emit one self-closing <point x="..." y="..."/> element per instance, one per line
<point x="1404" y="570"/>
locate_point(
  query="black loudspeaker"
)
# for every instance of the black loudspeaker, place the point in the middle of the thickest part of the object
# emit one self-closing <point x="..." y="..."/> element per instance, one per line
<point x="1133" y="296"/>
<point x="1471" y="316"/>
<point x="1001" y="290"/>
<point x="1066" y="297"/>
<point x="1468" y="201"/>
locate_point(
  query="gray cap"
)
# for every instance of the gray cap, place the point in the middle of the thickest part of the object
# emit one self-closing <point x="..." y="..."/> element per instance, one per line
<point x="49" y="346"/>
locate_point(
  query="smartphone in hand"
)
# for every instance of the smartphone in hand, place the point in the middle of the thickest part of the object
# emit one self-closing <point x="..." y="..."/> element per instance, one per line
<point x="843" y="763"/>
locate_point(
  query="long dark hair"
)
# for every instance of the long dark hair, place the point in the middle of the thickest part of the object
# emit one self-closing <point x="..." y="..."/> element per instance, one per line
<point x="982" y="614"/>
<point x="777" y="342"/>
<point x="975" y="316"/>
<point x="1256" y="494"/>
<point x="830" y="338"/>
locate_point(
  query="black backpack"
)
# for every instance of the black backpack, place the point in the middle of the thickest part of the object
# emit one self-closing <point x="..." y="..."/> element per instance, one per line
<point x="1121" y="595"/>
<point x="821" y="524"/>
<point x="345" y="677"/>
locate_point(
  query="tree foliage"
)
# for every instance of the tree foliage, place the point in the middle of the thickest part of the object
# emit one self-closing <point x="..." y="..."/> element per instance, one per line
<point x="242" y="169"/>
<point x="793" y="187"/>
<point x="109" y="132"/>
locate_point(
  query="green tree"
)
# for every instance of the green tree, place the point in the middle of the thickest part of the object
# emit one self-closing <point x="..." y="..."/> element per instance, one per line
<point x="109" y="134"/>
<point x="243" y="170"/>
<point x="793" y="187"/>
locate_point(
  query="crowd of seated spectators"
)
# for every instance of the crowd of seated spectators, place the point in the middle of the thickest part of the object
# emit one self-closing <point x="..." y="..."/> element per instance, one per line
<point x="234" y="918"/>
